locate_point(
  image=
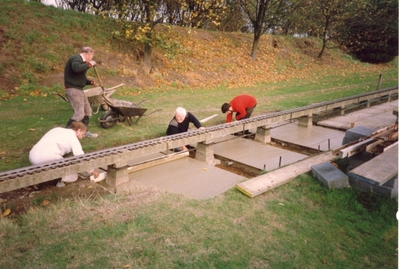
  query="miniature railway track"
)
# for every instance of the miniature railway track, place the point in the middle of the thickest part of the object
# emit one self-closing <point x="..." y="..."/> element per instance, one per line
<point x="117" y="157"/>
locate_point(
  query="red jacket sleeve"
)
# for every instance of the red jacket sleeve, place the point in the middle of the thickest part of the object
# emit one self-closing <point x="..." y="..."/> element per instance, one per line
<point x="228" y="117"/>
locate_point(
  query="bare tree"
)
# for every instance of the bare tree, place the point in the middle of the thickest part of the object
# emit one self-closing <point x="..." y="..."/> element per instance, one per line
<point x="266" y="15"/>
<point x="233" y="18"/>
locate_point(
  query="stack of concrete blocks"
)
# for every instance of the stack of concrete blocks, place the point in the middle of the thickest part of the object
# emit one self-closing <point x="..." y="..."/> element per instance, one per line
<point x="330" y="176"/>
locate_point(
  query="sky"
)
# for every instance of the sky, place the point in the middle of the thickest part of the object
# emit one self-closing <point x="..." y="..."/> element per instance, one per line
<point x="49" y="2"/>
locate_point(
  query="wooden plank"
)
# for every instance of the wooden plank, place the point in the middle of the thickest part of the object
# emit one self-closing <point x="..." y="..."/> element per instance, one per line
<point x="273" y="179"/>
<point x="157" y="161"/>
<point x="356" y="148"/>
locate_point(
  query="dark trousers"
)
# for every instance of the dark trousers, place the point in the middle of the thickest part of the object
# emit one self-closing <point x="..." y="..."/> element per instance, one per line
<point x="248" y="112"/>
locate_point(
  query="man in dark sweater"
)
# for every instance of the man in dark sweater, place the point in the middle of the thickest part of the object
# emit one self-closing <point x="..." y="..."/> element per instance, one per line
<point x="74" y="81"/>
<point x="180" y="123"/>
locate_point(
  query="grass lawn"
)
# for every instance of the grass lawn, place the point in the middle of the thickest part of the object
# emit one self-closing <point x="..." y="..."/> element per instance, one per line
<point x="298" y="225"/>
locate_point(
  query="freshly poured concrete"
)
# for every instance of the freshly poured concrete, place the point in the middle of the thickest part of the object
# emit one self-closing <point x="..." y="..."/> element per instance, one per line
<point x="189" y="177"/>
<point x="256" y="154"/>
<point x="198" y="180"/>
<point x="375" y="117"/>
<point x="315" y="137"/>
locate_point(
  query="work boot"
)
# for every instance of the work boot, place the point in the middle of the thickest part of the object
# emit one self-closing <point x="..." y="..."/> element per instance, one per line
<point x="85" y="121"/>
<point x="69" y="123"/>
<point x="89" y="134"/>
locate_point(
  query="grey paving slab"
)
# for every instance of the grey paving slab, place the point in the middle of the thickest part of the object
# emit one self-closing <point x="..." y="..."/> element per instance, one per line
<point x="313" y="137"/>
<point x="189" y="177"/>
<point x="329" y="175"/>
<point x="375" y="117"/>
<point x="255" y="154"/>
<point x="380" y="169"/>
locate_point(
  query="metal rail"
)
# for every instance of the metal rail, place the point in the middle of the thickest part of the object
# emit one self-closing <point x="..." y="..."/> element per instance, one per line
<point x="118" y="157"/>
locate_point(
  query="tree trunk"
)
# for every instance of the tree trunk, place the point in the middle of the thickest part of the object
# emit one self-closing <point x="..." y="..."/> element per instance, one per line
<point x="256" y="40"/>
<point x="254" y="48"/>
<point x="324" y="37"/>
<point x="324" y="40"/>
<point x="147" y="58"/>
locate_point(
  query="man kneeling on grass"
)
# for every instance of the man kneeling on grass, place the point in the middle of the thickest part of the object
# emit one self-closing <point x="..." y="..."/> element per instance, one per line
<point x="180" y="124"/>
<point x="56" y="143"/>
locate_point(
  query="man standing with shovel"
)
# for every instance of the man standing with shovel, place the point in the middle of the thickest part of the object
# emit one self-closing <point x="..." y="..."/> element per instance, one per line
<point x="74" y="81"/>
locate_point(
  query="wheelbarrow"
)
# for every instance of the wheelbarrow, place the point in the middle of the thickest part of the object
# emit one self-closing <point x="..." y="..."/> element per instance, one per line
<point x="95" y="97"/>
<point x="119" y="110"/>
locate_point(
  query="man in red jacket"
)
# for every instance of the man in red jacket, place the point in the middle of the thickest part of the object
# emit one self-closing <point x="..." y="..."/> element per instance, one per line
<point x="243" y="105"/>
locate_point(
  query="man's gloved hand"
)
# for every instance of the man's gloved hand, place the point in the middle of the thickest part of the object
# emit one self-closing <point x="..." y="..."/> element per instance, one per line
<point x="92" y="63"/>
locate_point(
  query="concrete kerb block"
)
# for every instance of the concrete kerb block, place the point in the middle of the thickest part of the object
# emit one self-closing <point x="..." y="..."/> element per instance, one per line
<point x="330" y="176"/>
<point x="356" y="133"/>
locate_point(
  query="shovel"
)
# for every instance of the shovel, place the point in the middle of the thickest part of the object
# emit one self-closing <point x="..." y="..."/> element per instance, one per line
<point x="108" y="101"/>
<point x="208" y="118"/>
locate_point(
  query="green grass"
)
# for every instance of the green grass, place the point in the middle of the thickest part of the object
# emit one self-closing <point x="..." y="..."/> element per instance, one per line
<point x="299" y="225"/>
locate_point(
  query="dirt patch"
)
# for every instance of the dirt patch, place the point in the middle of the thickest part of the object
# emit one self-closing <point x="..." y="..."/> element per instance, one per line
<point x="17" y="202"/>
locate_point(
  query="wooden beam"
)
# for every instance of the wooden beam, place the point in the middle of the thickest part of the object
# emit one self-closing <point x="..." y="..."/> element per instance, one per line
<point x="278" y="177"/>
<point x="157" y="161"/>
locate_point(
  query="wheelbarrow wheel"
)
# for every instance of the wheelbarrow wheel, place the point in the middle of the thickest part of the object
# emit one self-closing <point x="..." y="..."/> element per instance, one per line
<point x="108" y="119"/>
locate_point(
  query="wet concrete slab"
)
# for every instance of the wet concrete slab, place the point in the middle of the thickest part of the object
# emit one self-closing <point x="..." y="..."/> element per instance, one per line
<point x="375" y="117"/>
<point x="256" y="154"/>
<point x="187" y="176"/>
<point x="315" y="137"/>
<point x="196" y="179"/>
